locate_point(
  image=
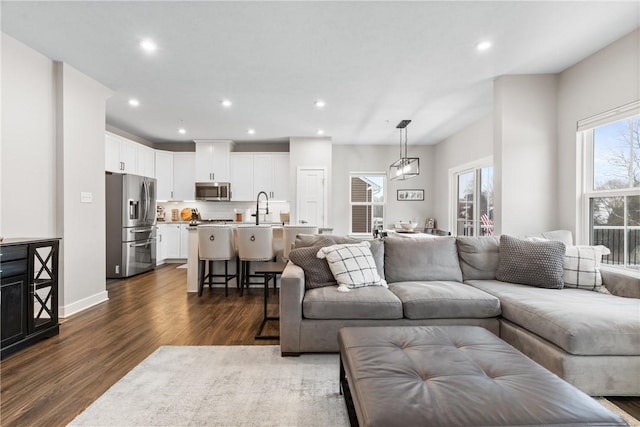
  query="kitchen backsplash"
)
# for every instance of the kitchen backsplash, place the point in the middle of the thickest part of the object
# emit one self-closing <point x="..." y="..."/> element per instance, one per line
<point x="226" y="210"/>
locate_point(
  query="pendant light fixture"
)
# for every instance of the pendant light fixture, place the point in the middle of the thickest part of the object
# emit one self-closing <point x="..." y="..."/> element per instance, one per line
<point x="406" y="167"/>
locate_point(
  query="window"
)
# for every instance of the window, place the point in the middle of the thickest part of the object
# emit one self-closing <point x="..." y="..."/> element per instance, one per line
<point x="367" y="198"/>
<point x="612" y="188"/>
<point x="473" y="201"/>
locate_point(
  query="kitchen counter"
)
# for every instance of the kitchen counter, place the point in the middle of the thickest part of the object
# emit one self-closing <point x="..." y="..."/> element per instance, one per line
<point x="192" y="257"/>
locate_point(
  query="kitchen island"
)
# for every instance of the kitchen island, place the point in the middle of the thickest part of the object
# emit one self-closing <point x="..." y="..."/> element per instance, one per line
<point x="193" y="265"/>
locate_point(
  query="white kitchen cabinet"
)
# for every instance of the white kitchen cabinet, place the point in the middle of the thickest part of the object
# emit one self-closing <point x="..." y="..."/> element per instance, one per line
<point x="120" y="154"/>
<point x="146" y="161"/>
<point x="241" y="176"/>
<point x="184" y="178"/>
<point x="173" y="240"/>
<point x="161" y="244"/>
<point x="254" y="172"/>
<point x="164" y="175"/>
<point x="281" y="177"/>
<point x="212" y="160"/>
<point x="271" y="175"/>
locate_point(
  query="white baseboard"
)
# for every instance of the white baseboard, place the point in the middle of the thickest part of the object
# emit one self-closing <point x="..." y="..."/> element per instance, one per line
<point x="83" y="304"/>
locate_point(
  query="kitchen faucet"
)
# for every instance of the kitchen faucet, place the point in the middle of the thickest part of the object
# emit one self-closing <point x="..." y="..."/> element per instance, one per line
<point x="258" y="208"/>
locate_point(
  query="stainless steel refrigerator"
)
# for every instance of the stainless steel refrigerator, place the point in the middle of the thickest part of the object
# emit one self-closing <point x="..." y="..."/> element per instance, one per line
<point x="131" y="224"/>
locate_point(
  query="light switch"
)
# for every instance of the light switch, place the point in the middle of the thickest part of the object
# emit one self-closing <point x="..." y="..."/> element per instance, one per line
<point x="86" y="197"/>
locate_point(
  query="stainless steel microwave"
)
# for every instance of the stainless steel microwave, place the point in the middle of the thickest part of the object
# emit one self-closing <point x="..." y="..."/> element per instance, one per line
<point x="213" y="191"/>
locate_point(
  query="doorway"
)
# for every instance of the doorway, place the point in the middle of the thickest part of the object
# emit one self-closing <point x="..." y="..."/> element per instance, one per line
<point x="311" y="201"/>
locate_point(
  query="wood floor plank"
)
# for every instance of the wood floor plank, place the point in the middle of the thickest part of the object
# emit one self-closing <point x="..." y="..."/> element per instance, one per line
<point x="53" y="381"/>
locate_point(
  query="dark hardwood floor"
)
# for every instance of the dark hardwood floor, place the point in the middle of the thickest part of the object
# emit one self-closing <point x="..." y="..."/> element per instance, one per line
<point x="51" y="382"/>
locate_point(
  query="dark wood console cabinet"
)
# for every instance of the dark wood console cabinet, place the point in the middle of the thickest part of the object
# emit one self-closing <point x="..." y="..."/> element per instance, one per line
<point x="28" y="292"/>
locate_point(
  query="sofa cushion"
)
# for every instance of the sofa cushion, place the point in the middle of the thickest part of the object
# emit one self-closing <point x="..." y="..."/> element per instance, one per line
<point x="444" y="300"/>
<point x="306" y="240"/>
<point x="316" y="271"/>
<point x="579" y="321"/>
<point x="536" y="263"/>
<point x="564" y="236"/>
<point x="421" y="260"/>
<point x="377" y="250"/>
<point x="374" y="302"/>
<point x="352" y="265"/>
<point x="478" y="256"/>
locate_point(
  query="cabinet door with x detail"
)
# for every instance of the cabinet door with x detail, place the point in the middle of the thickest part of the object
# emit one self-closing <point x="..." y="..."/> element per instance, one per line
<point x="43" y="286"/>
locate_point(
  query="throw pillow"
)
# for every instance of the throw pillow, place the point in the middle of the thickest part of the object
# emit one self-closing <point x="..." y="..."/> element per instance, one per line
<point x="535" y="263"/>
<point x="582" y="267"/>
<point x="316" y="271"/>
<point x="352" y="265"/>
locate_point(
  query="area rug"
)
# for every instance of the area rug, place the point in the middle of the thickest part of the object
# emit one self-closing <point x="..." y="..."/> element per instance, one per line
<point x="223" y="386"/>
<point x="229" y="386"/>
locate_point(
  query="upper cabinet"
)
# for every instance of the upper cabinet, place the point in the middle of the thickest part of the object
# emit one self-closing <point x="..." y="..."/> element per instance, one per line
<point x="271" y="175"/>
<point x="212" y="160"/>
<point x="164" y="174"/>
<point x="241" y="179"/>
<point x="125" y="156"/>
<point x="146" y="161"/>
<point x="184" y="177"/>
<point x="120" y="154"/>
<point x="255" y="172"/>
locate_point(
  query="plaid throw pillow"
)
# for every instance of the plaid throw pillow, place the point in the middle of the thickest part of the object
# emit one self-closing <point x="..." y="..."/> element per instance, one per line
<point x="582" y="267"/>
<point x="352" y="265"/>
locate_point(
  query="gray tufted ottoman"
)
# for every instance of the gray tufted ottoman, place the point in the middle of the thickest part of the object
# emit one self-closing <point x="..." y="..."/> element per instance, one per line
<point x="454" y="376"/>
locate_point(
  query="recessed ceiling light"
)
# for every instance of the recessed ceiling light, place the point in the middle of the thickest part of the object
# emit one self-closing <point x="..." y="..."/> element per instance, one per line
<point x="226" y="103"/>
<point x="483" y="45"/>
<point x="251" y="131"/>
<point x="320" y="132"/>
<point x="319" y="103"/>
<point x="134" y="102"/>
<point x="148" y="45"/>
<point x="182" y="131"/>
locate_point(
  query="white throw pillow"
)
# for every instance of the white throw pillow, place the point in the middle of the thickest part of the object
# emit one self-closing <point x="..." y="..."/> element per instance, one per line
<point x="352" y="265"/>
<point x="582" y="267"/>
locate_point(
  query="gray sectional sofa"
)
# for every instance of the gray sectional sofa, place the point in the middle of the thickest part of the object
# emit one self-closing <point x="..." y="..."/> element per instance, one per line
<point x="589" y="338"/>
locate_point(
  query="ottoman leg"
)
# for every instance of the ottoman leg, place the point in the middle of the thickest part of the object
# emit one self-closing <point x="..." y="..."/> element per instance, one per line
<point x="348" y="400"/>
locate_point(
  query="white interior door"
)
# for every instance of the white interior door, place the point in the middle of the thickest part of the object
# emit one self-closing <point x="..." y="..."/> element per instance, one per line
<point x="311" y="196"/>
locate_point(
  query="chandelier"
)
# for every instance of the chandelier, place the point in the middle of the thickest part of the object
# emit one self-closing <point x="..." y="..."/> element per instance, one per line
<point x="405" y="167"/>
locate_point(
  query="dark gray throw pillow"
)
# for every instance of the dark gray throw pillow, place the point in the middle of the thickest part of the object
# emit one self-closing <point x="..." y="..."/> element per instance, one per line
<point x="316" y="271"/>
<point x="535" y="263"/>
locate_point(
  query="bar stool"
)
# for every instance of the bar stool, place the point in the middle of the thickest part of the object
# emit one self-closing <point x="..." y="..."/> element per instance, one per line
<point x="255" y="243"/>
<point x="289" y="233"/>
<point x="216" y="243"/>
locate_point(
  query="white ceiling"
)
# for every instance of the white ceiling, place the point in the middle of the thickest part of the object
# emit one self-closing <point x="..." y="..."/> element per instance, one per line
<point x="374" y="63"/>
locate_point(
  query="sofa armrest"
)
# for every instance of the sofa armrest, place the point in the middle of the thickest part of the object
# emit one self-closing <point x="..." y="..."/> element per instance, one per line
<point x="621" y="283"/>
<point x="291" y="295"/>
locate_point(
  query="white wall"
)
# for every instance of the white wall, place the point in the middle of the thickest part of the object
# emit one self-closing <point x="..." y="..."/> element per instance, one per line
<point x="27" y="156"/>
<point x="472" y="143"/>
<point x="80" y="131"/>
<point x="605" y="80"/>
<point x="53" y="121"/>
<point x="525" y="153"/>
<point x="377" y="158"/>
